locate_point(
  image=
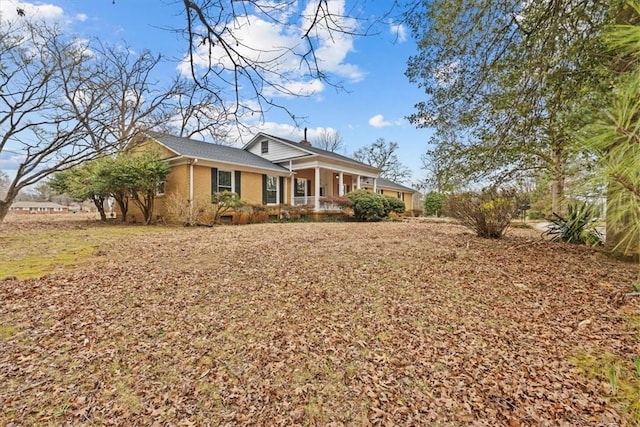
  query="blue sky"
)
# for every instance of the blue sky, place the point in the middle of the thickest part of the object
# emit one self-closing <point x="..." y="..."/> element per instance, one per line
<point x="376" y="99"/>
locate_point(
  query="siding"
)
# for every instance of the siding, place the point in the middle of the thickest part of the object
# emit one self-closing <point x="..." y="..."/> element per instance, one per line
<point x="277" y="150"/>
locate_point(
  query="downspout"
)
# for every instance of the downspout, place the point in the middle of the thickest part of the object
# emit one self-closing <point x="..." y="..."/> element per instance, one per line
<point x="191" y="162"/>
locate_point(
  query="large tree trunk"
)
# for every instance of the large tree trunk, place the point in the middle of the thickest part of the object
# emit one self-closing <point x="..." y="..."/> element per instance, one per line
<point x="5" y="204"/>
<point x="4" y="209"/>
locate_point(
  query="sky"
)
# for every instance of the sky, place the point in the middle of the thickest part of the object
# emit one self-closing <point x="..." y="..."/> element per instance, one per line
<point x="375" y="100"/>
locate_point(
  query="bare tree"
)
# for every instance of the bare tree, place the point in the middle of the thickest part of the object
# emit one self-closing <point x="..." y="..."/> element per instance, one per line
<point x="382" y="155"/>
<point x="64" y="101"/>
<point x="194" y="112"/>
<point x="36" y="125"/>
<point x="224" y="56"/>
<point x="330" y="140"/>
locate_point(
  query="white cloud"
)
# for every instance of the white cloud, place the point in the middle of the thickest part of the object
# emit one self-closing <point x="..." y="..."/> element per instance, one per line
<point x="277" y="47"/>
<point x="81" y="17"/>
<point x="378" y="121"/>
<point x="46" y="12"/>
<point x="399" y="31"/>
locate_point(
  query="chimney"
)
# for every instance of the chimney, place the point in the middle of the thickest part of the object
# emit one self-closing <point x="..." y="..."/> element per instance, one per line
<point x="304" y="142"/>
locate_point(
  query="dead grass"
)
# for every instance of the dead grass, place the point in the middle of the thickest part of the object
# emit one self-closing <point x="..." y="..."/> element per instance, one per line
<point x="407" y="323"/>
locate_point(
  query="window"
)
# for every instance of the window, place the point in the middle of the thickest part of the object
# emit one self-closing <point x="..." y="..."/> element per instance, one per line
<point x="225" y="181"/>
<point x="264" y="147"/>
<point x="272" y="189"/>
<point x="160" y="188"/>
<point x="301" y="187"/>
<point x="401" y="195"/>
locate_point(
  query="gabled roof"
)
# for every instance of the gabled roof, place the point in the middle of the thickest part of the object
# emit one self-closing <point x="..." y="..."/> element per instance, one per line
<point x="383" y="182"/>
<point x="311" y="150"/>
<point x="214" y="152"/>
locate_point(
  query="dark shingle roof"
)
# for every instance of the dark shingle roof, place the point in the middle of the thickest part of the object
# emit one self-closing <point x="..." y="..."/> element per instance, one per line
<point x="382" y="182"/>
<point x="216" y="152"/>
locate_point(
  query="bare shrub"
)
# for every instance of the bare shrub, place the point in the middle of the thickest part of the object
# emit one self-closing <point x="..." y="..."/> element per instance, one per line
<point x="488" y="213"/>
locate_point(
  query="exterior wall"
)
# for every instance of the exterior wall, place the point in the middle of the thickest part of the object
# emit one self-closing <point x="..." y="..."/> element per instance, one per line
<point x="251" y="188"/>
<point x="277" y="150"/>
<point x="163" y="152"/>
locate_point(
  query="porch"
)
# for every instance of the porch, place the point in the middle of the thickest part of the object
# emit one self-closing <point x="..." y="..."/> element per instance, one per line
<point x="311" y="185"/>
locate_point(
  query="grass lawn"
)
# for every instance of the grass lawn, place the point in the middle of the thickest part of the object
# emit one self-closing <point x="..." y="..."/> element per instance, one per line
<point x="405" y="323"/>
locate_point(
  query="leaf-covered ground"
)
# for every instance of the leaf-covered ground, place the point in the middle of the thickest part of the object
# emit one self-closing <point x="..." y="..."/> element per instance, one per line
<point x="400" y="323"/>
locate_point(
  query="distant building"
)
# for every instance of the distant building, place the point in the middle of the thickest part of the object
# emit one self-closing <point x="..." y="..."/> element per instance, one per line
<point x="38" y="208"/>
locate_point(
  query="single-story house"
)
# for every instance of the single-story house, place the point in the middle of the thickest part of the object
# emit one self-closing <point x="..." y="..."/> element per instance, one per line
<point x="268" y="170"/>
<point x="37" y="208"/>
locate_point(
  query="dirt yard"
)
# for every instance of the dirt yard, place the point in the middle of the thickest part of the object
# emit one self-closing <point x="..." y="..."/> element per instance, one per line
<point x="394" y="323"/>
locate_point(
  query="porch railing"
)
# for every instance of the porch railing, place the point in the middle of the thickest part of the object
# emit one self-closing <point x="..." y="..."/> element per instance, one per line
<point x="311" y="200"/>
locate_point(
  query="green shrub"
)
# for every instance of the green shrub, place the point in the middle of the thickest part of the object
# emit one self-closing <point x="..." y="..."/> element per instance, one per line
<point x="393" y="204"/>
<point x="578" y="227"/>
<point x="488" y="213"/>
<point x="434" y="204"/>
<point x="367" y="206"/>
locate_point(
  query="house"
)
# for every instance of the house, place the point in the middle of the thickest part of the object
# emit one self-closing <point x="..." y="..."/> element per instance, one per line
<point x="38" y="208"/>
<point x="269" y="171"/>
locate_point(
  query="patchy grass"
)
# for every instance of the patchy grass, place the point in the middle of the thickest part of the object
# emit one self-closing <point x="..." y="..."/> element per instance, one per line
<point x="406" y="323"/>
<point x="34" y="253"/>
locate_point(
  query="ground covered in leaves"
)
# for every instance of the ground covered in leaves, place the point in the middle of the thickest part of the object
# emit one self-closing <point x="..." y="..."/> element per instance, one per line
<point x="405" y="323"/>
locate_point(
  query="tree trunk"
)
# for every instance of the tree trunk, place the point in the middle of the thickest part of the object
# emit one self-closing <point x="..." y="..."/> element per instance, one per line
<point x="557" y="183"/>
<point x="4" y="209"/>
<point x="5" y="204"/>
<point x="123" y="204"/>
<point x="99" y="202"/>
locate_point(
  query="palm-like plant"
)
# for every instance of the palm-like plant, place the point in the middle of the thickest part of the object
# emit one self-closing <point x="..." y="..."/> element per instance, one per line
<point x="579" y="226"/>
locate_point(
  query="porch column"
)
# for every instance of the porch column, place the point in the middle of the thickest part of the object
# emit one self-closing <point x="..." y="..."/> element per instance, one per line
<point x="316" y="194"/>
<point x="341" y="184"/>
<point x="292" y="181"/>
<point x="357" y="182"/>
<point x="375" y="185"/>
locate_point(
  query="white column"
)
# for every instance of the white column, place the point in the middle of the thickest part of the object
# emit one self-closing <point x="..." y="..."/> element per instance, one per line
<point x="375" y="185"/>
<point x="358" y="182"/>
<point x="316" y="195"/>
<point x="292" y="181"/>
<point x="341" y="184"/>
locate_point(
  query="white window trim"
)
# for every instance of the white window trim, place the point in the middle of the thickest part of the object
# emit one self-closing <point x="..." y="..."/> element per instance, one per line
<point x="233" y="181"/>
<point x="306" y="188"/>
<point x="277" y="190"/>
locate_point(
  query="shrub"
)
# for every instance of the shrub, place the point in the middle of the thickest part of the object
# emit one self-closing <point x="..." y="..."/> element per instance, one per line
<point x="487" y="213"/>
<point x="367" y="206"/>
<point x="434" y="203"/>
<point x="178" y="210"/>
<point x="578" y="227"/>
<point x="393" y="204"/>
<point x="223" y="202"/>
